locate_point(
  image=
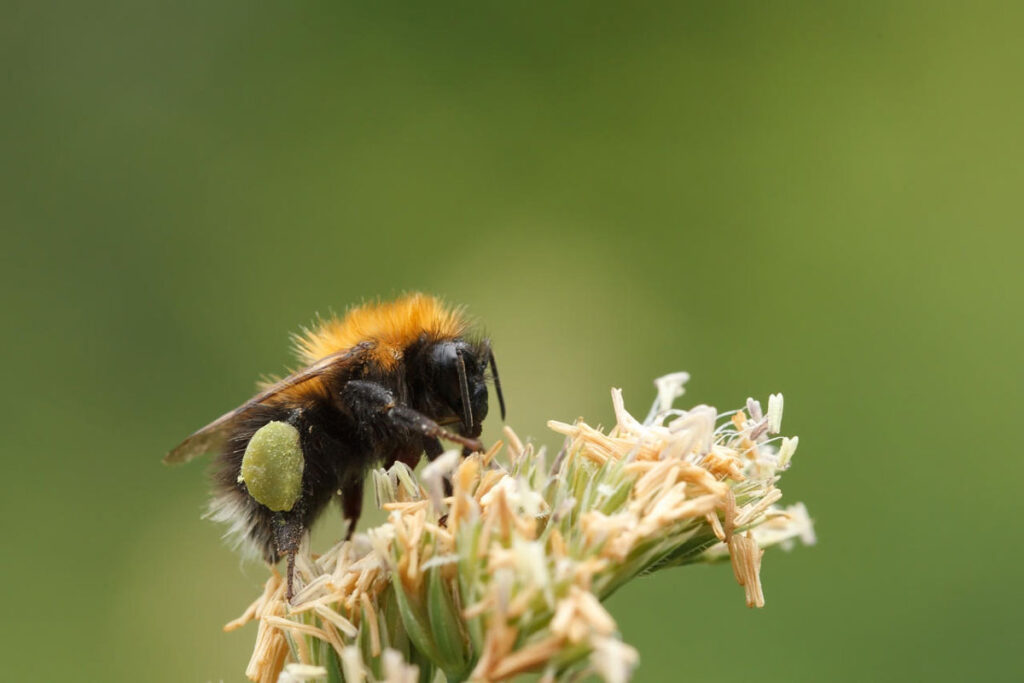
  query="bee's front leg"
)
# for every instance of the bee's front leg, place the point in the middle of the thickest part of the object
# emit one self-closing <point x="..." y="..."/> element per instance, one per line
<point x="376" y="409"/>
<point x="406" y="418"/>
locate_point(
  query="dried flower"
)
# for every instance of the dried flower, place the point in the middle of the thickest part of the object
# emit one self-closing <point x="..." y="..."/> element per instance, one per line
<point x="507" y="574"/>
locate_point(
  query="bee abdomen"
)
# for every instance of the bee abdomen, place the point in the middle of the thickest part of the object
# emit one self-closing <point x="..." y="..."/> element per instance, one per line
<point x="328" y="462"/>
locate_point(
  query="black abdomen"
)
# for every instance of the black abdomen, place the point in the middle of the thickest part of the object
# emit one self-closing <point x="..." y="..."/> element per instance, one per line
<point x="334" y="457"/>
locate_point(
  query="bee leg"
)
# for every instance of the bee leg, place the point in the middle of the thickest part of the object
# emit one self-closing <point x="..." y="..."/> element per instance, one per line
<point x="432" y="447"/>
<point x="288" y="532"/>
<point x="372" y="404"/>
<point x="351" y="505"/>
<point x="290" y="592"/>
<point x="407" y="418"/>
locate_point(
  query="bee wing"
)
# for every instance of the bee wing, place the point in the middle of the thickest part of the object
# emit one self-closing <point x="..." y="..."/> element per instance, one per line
<point x="210" y="437"/>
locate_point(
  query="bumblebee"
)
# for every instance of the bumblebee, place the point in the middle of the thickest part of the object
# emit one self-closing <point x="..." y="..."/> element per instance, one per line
<point x="384" y="384"/>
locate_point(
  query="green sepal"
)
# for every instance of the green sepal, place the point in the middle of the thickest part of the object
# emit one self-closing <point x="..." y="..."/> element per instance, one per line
<point x="333" y="666"/>
<point x="416" y="623"/>
<point x="446" y="626"/>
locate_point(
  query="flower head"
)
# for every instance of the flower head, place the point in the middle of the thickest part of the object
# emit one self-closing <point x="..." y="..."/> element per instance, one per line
<point x="506" y="575"/>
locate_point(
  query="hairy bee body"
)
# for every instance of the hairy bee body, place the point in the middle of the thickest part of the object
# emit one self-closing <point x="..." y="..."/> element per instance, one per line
<point x="335" y="462"/>
<point x="379" y="386"/>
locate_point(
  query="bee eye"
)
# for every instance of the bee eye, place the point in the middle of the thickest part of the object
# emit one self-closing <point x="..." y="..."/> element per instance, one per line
<point x="457" y="381"/>
<point x="444" y="370"/>
<point x="444" y="357"/>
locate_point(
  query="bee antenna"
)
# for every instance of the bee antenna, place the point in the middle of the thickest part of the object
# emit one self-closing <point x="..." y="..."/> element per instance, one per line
<point x="497" y="382"/>
<point x="464" y="386"/>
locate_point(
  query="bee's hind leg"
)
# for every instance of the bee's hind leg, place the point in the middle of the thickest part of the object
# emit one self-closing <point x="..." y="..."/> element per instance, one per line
<point x="288" y="531"/>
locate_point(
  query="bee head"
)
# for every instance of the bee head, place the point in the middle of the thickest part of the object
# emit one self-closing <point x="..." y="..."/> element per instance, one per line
<point x="455" y="387"/>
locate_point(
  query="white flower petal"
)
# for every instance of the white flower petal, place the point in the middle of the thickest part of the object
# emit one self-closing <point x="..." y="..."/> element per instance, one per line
<point x="613" y="659"/>
<point x="775" y="413"/>
<point x="786" y="450"/>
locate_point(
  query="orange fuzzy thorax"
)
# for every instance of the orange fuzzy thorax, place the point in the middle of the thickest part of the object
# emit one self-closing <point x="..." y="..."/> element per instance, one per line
<point x="390" y="326"/>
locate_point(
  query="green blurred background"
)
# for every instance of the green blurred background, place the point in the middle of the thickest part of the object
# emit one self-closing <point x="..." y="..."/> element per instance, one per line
<point x="819" y="199"/>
